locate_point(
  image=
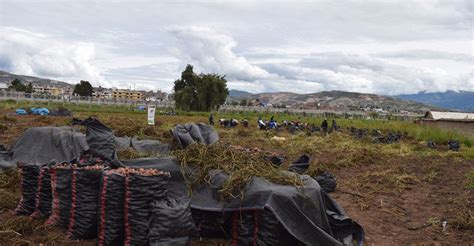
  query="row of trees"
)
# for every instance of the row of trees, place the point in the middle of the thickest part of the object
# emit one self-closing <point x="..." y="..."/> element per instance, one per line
<point x="199" y="92"/>
<point x="84" y="88"/>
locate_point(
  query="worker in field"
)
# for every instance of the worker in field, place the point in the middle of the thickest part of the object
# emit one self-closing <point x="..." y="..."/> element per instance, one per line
<point x="324" y="126"/>
<point x="245" y="123"/>
<point x="233" y="122"/>
<point x="261" y="124"/>
<point x="211" y="119"/>
<point x="334" y="126"/>
<point x="272" y="124"/>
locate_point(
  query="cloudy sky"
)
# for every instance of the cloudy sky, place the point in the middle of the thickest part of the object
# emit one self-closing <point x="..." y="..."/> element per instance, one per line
<point x="385" y="46"/>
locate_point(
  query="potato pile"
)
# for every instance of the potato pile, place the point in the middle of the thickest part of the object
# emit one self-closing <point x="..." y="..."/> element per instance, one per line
<point x="140" y="171"/>
<point x="63" y="165"/>
<point x="66" y="165"/>
<point x="93" y="167"/>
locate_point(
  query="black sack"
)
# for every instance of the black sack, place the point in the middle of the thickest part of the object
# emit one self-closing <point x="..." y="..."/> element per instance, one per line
<point x="61" y="190"/>
<point x="140" y="191"/>
<point x="60" y="112"/>
<point x="171" y="218"/>
<point x="244" y="228"/>
<point x="301" y="165"/>
<point x="269" y="231"/>
<point x="44" y="195"/>
<point x="212" y="224"/>
<point x="276" y="160"/>
<point x="111" y="209"/>
<point x="29" y="188"/>
<point x="85" y="187"/>
<point x="174" y="241"/>
<point x="453" y="145"/>
<point x="342" y="226"/>
<point x="327" y="182"/>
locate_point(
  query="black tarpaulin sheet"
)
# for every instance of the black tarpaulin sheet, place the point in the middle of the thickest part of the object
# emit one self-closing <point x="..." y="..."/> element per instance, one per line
<point x="302" y="211"/>
<point x="195" y="132"/>
<point x="101" y="140"/>
<point x="40" y="145"/>
<point x="149" y="146"/>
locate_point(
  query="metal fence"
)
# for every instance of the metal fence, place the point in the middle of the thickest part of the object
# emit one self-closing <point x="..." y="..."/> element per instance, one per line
<point x="68" y="99"/>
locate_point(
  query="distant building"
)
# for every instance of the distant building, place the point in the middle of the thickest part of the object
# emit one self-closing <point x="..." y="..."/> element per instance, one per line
<point x="68" y="91"/>
<point x="3" y="87"/>
<point x="48" y="90"/>
<point x="438" y="115"/>
<point x="127" y="95"/>
<point x="102" y="93"/>
<point x="456" y="121"/>
<point x="157" y="96"/>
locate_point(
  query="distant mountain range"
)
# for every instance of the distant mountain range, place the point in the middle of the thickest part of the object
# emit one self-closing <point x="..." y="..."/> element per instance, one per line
<point x="7" y="78"/>
<point x="332" y="100"/>
<point x="336" y="100"/>
<point x="237" y="93"/>
<point x="460" y="101"/>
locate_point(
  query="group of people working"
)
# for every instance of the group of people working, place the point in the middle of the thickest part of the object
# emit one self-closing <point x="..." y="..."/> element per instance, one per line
<point x="273" y="124"/>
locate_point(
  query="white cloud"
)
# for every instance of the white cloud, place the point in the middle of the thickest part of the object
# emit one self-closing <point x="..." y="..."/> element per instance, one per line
<point x="31" y="53"/>
<point x="365" y="73"/>
<point x="385" y="47"/>
<point x="212" y="52"/>
<point x="422" y="54"/>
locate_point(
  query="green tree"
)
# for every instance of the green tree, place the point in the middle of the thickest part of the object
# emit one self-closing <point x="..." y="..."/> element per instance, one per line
<point x="29" y="88"/>
<point x="83" y="89"/>
<point x="243" y="102"/>
<point x="203" y="92"/>
<point x="16" y="85"/>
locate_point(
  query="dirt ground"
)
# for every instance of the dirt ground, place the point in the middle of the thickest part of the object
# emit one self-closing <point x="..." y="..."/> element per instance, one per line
<point x="401" y="194"/>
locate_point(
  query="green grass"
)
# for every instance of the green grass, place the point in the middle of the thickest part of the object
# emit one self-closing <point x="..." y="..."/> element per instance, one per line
<point x="418" y="132"/>
<point x="470" y="180"/>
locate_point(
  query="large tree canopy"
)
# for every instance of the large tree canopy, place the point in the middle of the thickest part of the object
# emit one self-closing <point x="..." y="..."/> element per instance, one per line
<point x="203" y="92"/>
<point x="83" y="89"/>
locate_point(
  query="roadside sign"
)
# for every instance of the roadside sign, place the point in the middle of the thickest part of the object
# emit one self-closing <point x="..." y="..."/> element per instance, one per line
<point x="151" y="114"/>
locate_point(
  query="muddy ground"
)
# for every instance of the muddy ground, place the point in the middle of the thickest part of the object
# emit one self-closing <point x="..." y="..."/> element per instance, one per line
<point x="401" y="194"/>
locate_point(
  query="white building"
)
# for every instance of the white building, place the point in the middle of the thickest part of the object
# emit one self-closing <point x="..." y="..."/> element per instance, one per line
<point x="3" y="87"/>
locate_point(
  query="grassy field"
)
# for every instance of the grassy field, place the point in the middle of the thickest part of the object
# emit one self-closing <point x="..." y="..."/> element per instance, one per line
<point x="401" y="193"/>
<point x="418" y="132"/>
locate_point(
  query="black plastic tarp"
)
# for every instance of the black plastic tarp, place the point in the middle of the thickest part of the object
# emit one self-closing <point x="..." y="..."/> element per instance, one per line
<point x="306" y="212"/>
<point x="195" y="132"/>
<point x="303" y="211"/>
<point x="101" y="140"/>
<point x="41" y="145"/>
